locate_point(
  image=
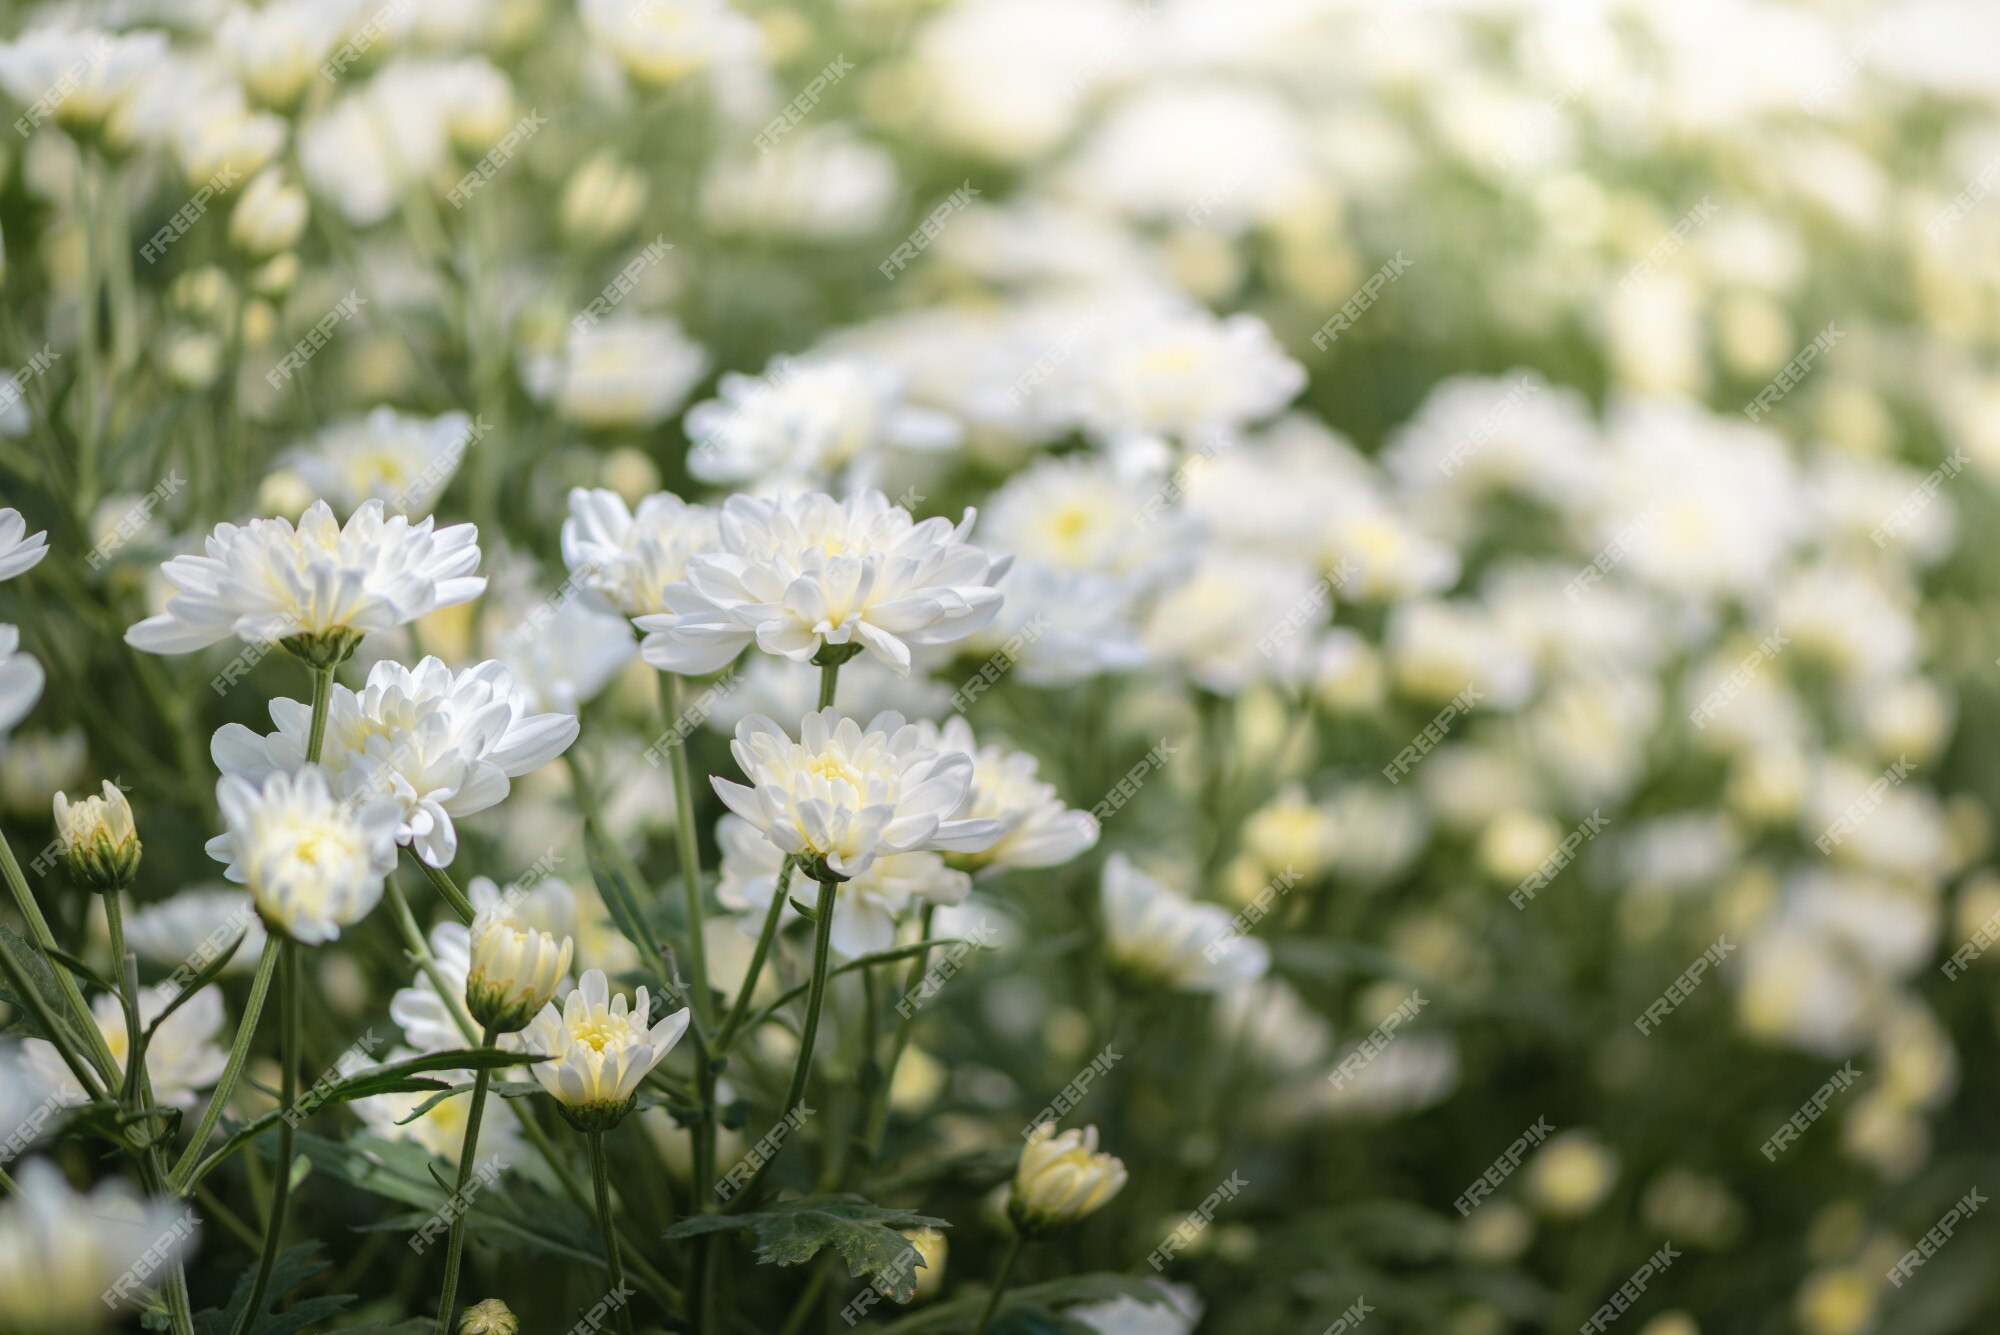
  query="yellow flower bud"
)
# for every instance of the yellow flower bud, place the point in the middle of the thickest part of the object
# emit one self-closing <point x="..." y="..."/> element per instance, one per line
<point x="100" y="842"/>
<point x="491" y="1317"/>
<point x="1061" y="1179"/>
<point x="514" y="973"/>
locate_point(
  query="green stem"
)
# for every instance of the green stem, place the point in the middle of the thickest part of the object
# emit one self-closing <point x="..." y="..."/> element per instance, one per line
<point x="815" y="1002"/>
<point x="38" y="931"/>
<point x="322" y="692"/>
<point x="290" y="999"/>
<point x="446" y="887"/>
<point x="455" y="1248"/>
<point x="878" y="1117"/>
<point x="741" y="1006"/>
<point x="1000" y="1284"/>
<point x="128" y="996"/>
<point x="688" y="840"/>
<point x="239" y="1051"/>
<point x="829" y="678"/>
<point x="600" y="1176"/>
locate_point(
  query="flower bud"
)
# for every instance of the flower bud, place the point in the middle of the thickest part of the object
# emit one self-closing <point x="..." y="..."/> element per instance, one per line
<point x="514" y="973"/>
<point x="1061" y="1179"/>
<point x="100" y="842"/>
<point x="269" y="216"/>
<point x="491" y="1317"/>
<point x="602" y="199"/>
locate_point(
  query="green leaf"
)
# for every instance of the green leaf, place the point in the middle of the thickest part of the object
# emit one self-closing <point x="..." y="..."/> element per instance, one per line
<point x="37" y="968"/>
<point x="620" y="897"/>
<point x="81" y="970"/>
<point x="793" y="1232"/>
<point x="294" y="1266"/>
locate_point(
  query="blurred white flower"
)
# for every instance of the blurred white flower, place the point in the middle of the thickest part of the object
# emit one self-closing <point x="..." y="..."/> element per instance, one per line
<point x="825" y="184"/>
<point x="193" y="926"/>
<point x="1160" y="937"/>
<point x="314" y="863"/>
<point x="182" y="1056"/>
<point x="626" y="560"/>
<point x="797" y="573"/>
<point x="270" y="214"/>
<point x="20" y="679"/>
<point x="268" y="581"/>
<point x="1183" y="375"/>
<point x="76" y="77"/>
<point x="664" y="41"/>
<point x="278" y="49"/>
<point x="441" y="1129"/>
<point x="61" y="1251"/>
<point x="1039" y="830"/>
<point x="844" y="795"/>
<point x="442" y="744"/>
<point x="20" y="550"/>
<point x="626" y="372"/>
<point x="807" y="420"/>
<point x="400" y="459"/>
<point x="1178" y="1314"/>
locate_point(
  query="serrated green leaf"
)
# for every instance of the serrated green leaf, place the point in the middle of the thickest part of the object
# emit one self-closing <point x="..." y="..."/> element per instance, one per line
<point x="793" y="1232"/>
<point x="37" y="968"/>
<point x="294" y="1266"/>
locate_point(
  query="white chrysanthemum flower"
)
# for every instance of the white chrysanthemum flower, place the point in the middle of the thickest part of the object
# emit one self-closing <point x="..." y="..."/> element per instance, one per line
<point x="622" y="373"/>
<point x="561" y="656"/>
<point x="219" y="134"/>
<point x="797" y="573"/>
<point x="402" y="460"/>
<point x="269" y="581"/>
<point x="1160" y="937"/>
<point x="194" y="926"/>
<point x="669" y="40"/>
<point x="377" y="141"/>
<point x="1184" y="376"/>
<point x="600" y="1049"/>
<point x="182" y="1057"/>
<point x="806" y="421"/>
<point x="867" y="907"/>
<point x="626" y="560"/>
<point x="86" y="73"/>
<point x="443" y="744"/>
<point x="844" y="795"/>
<point x="61" y="1251"/>
<point x="1179" y="1314"/>
<point x="20" y="679"/>
<point x="1040" y="830"/>
<point x="30" y="1098"/>
<point x="1080" y="513"/>
<point x="20" y="550"/>
<point x="37" y="763"/>
<point x="278" y="49"/>
<point x="1240" y="617"/>
<point x="1055" y="628"/>
<point x="441" y="1128"/>
<point x="313" y="863"/>
<point x="824" y="184"/>
<point x="1061" y="1178"/>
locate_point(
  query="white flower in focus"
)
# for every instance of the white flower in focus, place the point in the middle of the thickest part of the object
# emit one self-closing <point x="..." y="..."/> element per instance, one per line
<point x="402" y="460"/>
<point x="622" y="373"/>
<point x="844" y="795"/>
<point x="865" y="910"/>
<point x="806" y="421"/>
<point x="1158" y="936"/>
<point x="61" y="1250"/>
<point x="267" y="581"/>
<point x="600" y="1048"/>
<point x="182" y="1057"/>
<point x="1040" y="830"/>
<point x="194" y="926"/>
<point x="1061" y="1178"/>
<point x="664" y="41"/>
<point x="313" y="863"/>
<point x="796" y="573"/>
<point x="86" y="73"/>
<point x="442" y="744"/>
<point x="626" y="560"/>
<point x="20" y="679"/>
<point x="20" y="550"/>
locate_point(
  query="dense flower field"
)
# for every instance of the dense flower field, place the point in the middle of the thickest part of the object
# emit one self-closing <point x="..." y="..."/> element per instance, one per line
<point x="1012" y="666"/>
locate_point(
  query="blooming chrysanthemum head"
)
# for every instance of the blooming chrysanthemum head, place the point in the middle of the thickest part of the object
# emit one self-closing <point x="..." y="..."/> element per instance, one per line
<point x="64" y="1256"/>
<point x="842" y="795"/>
<point x="1061" y="1178"/>
<point x="313" y="863"/>
<point x="515" y="970"/>
<point x="1160" y="939"/>
<point x="316" y="587"/>
<point x="624" y="559"/>
<point x="599" y="1048"/>
<point x="99" y="840"/>
<point x="799" y="574"/>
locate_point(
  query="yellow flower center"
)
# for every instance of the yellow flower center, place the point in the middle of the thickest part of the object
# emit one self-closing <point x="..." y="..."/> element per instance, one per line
<point x="599" y="1031"/>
